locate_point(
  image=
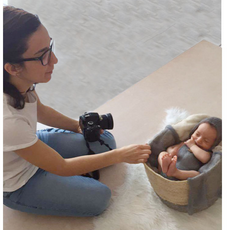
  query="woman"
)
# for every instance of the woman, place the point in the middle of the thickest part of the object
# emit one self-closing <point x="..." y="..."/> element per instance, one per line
<point x="42" y="170"/>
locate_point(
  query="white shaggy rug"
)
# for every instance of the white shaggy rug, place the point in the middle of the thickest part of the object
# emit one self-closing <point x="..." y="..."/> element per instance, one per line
<point x="136" y="206"/>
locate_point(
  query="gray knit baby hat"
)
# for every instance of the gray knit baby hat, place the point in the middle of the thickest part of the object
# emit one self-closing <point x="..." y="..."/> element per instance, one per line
<point x="215" y="122"/>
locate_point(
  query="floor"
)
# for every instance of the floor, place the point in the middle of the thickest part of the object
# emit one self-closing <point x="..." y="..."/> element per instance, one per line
<point x="104" y="47"/>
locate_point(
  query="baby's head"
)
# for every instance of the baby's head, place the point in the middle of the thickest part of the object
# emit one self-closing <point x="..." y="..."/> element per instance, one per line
<point x="208" y="133"/>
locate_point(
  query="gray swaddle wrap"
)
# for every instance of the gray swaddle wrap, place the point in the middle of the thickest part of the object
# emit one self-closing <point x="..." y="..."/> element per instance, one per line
<point x="186" y="160"/>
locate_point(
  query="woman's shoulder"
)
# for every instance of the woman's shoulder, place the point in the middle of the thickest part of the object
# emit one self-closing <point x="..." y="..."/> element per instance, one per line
<point x="8" y="109"/>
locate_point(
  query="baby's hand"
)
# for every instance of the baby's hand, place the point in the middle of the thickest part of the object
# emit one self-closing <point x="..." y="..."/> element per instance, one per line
<point x="190" y="143"/>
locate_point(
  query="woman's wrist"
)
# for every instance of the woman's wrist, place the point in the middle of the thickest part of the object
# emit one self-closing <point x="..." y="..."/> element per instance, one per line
<point x="111" y="157"/>
<point x="76" y="127"/>
<point x="117" y="155"/>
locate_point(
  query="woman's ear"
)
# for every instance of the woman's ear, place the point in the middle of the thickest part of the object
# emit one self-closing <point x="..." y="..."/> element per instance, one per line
<point x="13" y="69"/>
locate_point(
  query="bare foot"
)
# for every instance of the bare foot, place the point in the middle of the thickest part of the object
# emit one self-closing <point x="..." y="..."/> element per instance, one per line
<point x="166" y="160"/>
<point x="172" y="167"/>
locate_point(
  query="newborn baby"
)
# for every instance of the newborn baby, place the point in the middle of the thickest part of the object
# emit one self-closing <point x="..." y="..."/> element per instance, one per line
<point x="183" y="160"/>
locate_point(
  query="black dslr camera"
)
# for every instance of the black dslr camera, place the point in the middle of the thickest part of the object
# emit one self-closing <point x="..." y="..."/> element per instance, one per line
<point x="91" y="124"/>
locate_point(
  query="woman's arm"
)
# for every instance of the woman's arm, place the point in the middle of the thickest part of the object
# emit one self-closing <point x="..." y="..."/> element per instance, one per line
<point x="48" y="116"/>
<point x="199" y="153"/>
<point x="48" y="159"/>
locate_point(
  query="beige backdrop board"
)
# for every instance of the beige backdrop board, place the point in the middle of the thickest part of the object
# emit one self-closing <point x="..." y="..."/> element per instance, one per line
<point x="192" y="81"/>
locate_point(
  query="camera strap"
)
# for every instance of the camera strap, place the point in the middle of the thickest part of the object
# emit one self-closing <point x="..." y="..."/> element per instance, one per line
<point x="89" y="149"/>
<point x="95" y="174"/>
<point x="103" y="143"/>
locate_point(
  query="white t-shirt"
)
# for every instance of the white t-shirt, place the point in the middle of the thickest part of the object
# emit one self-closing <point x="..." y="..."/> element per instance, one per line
<point x="19" y="131"/>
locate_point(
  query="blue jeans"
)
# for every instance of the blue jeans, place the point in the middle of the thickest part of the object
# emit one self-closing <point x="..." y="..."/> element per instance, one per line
<point x="49" y="194"/>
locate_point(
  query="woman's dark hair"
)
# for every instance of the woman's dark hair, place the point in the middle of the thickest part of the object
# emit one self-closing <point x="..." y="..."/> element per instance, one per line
<point x="18" y="26"/>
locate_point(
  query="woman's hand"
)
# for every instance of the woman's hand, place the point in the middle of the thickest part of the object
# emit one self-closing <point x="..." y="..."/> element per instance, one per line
<point x="134" y="154"/>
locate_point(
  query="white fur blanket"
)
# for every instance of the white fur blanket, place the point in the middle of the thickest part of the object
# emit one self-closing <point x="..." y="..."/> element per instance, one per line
<point x="135" y="206"/>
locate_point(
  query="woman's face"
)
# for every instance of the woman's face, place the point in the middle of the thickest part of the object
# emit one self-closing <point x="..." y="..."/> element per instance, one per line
<point x="33" y="71"/>
<point x="204" y="136"/>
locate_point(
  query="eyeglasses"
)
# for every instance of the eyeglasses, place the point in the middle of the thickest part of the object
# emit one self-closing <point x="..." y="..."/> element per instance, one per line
<point x="44" y="58"/>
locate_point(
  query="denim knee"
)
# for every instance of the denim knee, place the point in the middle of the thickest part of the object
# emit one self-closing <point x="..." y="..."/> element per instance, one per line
<point x="93" y="205"/>
<point x="108" y="138"/>
<point x="102" y="201"/>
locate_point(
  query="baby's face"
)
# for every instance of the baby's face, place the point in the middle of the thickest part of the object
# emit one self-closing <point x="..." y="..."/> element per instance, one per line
<point x="204" y="136"/>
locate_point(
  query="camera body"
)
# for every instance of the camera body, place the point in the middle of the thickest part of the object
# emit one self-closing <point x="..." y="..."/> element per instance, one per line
<point x="91" y="123"/>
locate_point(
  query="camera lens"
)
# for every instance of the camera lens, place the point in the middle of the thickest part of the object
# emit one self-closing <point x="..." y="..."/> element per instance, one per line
<point x="106" y="121"/>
